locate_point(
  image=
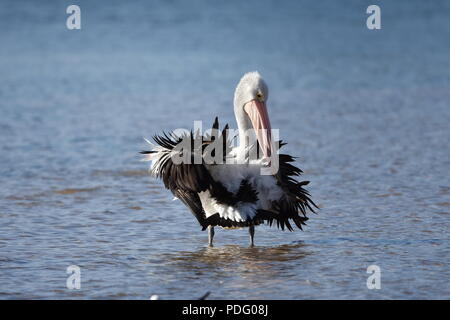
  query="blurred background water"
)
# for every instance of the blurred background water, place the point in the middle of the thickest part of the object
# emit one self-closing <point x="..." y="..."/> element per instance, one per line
<point x="367" y="112"/>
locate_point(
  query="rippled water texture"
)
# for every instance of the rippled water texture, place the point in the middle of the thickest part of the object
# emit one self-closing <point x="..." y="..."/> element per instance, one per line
<point x="367" y="112"/>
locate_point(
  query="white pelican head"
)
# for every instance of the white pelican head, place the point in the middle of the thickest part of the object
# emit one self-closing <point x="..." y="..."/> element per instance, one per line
<point x="250" y="110"/>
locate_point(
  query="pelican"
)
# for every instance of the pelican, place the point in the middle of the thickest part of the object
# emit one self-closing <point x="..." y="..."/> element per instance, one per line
<point x="243" y="185"/>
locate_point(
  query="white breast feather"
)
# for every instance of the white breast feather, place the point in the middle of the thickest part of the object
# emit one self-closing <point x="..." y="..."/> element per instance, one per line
<point x="231" y="176"/>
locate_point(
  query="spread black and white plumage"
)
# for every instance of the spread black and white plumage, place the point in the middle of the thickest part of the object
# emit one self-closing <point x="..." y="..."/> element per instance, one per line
<point x="230" y="194"/>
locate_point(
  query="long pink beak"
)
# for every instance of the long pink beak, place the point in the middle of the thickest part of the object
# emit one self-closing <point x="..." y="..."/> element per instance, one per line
<point x="257" y="113"/>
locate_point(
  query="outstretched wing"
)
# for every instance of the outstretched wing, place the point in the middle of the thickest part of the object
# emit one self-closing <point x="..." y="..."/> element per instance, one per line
<point x="295" y="202"/>
<point x="186" y="179"/>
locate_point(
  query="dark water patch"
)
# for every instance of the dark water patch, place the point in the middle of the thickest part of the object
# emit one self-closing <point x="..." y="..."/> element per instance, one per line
<point x="75" y="190"/>
<point x="120" y="173"/>
<point x="388" y="195"/>
<point x="443" y="204"/>
<point x="145" y="221"/>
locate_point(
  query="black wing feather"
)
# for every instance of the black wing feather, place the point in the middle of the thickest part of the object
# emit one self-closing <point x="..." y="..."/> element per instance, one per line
<point x="184" y="180"/>
<point x="296" y="200"/>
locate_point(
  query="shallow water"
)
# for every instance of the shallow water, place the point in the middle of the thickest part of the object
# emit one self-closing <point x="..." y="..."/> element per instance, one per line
<point x="367" y="112"/>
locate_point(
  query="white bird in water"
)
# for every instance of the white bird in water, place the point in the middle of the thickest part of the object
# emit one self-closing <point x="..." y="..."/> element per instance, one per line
<point x="234" y="187"/>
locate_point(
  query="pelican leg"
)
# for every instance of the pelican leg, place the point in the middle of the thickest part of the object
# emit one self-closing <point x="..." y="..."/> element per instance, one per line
<point x="210" y="235"/>
<point x="251" y="230"/>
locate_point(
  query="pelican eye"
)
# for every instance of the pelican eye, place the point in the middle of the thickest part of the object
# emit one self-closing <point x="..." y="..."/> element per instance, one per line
<point x="260" y="96"/>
